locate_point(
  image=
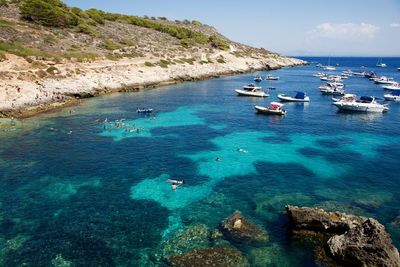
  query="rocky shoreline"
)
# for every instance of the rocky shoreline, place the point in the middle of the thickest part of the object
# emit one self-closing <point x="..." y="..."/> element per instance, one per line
<point x="27" y="97"/>
<point x="344" y="240"/>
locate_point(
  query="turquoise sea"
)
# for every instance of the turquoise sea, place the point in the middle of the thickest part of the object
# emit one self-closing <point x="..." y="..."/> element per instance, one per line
<point x="75" y="191"/>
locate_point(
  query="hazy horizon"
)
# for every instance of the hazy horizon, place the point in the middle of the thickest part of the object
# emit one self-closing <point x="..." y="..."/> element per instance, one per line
<point x="306" y="28"/>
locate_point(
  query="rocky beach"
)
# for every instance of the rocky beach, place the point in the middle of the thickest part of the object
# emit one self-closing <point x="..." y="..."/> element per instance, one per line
<point x="21" y="97"/>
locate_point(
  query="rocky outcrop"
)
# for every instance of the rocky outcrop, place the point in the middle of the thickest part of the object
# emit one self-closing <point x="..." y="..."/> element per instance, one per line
<point x="238" y="229"/>
<point x="216" y="257"/>
<point x="318" y="220"/>
<point x="367" y="244"/>
<point x="354" y="241"/>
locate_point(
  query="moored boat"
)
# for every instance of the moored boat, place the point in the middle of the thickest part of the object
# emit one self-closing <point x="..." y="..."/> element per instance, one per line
<point x="274" y="108"/>
<point x="381" y="64"/>
<point x="393" y="86"/>
<point x="144" y="110"/>
<point x="272" y="78"/>
<point x="299" y="97"/>
<point x="393" y="96"/>
<point x="365" y="104"/>
<point x="385" y="80"/>
<point x="258" y="79"/>
<point x="251" y="90"/>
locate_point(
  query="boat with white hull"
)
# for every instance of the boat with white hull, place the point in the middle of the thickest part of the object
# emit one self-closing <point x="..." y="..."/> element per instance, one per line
<point x="365" y="104"/>
<point x="394" y="96"/>
<point x="299" y="97"/>
<point x="251" y="90"/>
<point x="394" y="86"/>
<point x="274" y="109"/>
<point x="385" y="80"/>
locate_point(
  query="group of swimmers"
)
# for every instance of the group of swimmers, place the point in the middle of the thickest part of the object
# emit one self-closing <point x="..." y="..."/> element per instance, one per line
<point x="121" y="124"/>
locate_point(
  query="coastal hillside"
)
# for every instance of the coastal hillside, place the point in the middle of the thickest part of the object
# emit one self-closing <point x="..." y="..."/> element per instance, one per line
<point x="52" y="54"/>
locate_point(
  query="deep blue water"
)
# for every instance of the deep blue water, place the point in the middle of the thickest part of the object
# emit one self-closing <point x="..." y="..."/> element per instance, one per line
<point x="75" y="190"/>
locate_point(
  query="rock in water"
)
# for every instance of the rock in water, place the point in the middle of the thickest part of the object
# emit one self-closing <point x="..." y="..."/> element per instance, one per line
<point x="314" y="219"/>
<point x="240" y="230"/>
<point x="216" y="257"/>
<point x="365" y="245"/>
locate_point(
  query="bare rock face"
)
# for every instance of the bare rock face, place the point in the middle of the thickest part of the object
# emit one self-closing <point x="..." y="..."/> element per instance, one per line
<point x="318" y="220"/>
<point x="365" y="245"/>
<point x="240" y="230"/>
<point x="354" y="241"/>
<point x="216" y="257"/>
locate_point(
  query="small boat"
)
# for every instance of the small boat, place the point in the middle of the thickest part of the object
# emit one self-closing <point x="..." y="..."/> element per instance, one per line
<point x="251" y="90"/>
<point x="144" y="110"/>
<point x="361" y="73"/>
<point x="299" y="97"/>
<point x="365" y="104"/>
<point x="329" y="68"/>
<point x="258" y="79"/>
<point x="336" y="84"/>
<point x="384" y="80"/>
<point x="275" y="108"/>
<point x="272" y="78"/>
<point x="398" y="69"/>
<point x="319" y="74"/>
<point x="332" y="91"/>
<point x="394" y="96"/>
<point x="381" y="64"/>
<point x="393" y="86"/>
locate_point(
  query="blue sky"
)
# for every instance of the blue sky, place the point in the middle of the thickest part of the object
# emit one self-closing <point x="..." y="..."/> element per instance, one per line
<point x="308" y="27"/>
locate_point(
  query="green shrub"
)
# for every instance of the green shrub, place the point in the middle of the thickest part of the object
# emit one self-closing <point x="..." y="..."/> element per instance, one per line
<point x="110" y="45"/>
<point x="148" y="64"/>
<point x="97" y="15"/>
<point x="162" y="18"/>
<point x="2" y="56"/>
<point x="164" y="63"/>
<point x="85" y="28"/>
<point x="127" y="42"/>
<point x="3" y="3"/>
<point x="218" y="42"/>
<point x="52" y="70"/>
<point x="221" y="60"/>
<point x="52" y="13"/>
<point x="196" y="23"/>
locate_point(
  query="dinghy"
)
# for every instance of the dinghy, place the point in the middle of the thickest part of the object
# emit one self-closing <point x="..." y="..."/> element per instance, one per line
<point x="299" y="97"/>
<point x="275" y="108"/>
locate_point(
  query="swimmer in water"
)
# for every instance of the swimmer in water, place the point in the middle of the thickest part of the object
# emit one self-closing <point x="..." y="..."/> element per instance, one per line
<point x="242" y="150"/>
<point x="175" y="183"/>
<point x="217" y="159"/>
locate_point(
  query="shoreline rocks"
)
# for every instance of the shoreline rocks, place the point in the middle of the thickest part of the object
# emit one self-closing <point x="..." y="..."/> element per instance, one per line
<point x="240" y="230"/>
<point x="367" y="244"/>
<point x="217" y="257"/>
<point x="354" y="241"/>
<point x="23" y="98"/>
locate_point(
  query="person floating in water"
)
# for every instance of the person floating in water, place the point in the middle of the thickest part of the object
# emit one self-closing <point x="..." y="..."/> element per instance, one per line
<point x="175" y="183"/>
<point x="242" y="150"/>
<point x="217" y="159"/>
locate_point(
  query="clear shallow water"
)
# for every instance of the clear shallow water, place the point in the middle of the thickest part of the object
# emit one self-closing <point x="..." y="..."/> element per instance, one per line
<point x="98" y="196"/>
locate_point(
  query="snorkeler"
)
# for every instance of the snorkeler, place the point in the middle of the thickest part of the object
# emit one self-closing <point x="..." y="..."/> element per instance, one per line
<point x="175" y="183"/>
<point x="242" y="150"/>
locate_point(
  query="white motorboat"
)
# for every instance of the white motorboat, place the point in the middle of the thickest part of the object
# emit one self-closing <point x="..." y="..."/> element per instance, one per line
<point x="385" y="80"/>
<point x="336" y="85"/>
<point x="272" y="78"/>
<point x="394" y="96"/>
<point x="393" y="86"/>
<point x="365" y="104"/>
<point x="258" y="79"/>
<point x="332" y="91"/>
<point x="319" y="74"/>
<point x="144" y="110"/>
<point x="398" y="69"/>
<point x="251" y="90"/>
<point x="299" y="97"/>
<point x="362" y="73"/>
<point x="275" y="108"/>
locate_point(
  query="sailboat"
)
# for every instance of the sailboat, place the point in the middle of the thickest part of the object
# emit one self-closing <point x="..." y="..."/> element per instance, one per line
<point x="381" y="64"/>
<point x="329" y="67"/>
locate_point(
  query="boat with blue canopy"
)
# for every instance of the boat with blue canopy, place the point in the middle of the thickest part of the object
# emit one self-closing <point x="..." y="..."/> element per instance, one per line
<point x="299" y="97"/>
<point x="393" y="96"/>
